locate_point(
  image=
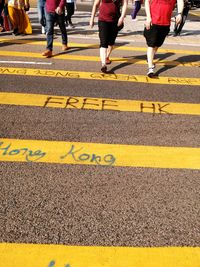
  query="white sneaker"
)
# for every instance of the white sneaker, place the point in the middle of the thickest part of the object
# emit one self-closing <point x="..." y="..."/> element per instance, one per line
<point x="43" y="30"/>
<point x="71" y="26"/>
<point x="150" y="73"/>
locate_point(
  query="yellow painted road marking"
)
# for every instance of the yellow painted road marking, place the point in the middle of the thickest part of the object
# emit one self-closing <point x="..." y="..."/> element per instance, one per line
<point x="37" y="255"/>
<point x="74" y="102"/>
<point x="99" y="76"/>
<point x="195" y="13"/>
<point x="15" y="150"/>
<point x="95" y="58"/>
<point x="96" y="46"/>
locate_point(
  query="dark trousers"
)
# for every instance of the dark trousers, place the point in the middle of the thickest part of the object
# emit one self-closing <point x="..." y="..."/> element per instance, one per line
<point x="51" y="18"/>
<point x="107" y="33"/>
<point x="1" y="9"/>
<point x="70" y="12"/>
<point x="136" y="8"/>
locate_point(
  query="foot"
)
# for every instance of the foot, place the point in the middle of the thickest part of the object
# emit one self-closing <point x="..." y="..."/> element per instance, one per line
<point x="134" y="19"/>
<point x="150" y="73"/>
<point x="108" y="61"/>
<point x="176" y="34"/>
<point x="65" y="47"/>
<point x="104" y="69"/>
<point x="15" y="32"/>
<point x="71" y="25"/>
<point x="43" y="30"/>
<point x="2" y="29"/>
<point x="47" y="53"/>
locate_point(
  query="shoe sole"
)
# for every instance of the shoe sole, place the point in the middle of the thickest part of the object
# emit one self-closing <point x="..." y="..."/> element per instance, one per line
<point x="104" y="69"/>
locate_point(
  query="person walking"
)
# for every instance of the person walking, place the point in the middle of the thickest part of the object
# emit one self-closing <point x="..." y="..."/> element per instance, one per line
<point x="1" y="17"/>
<point x="157" y="26"/>
<point x="70" y="7"/>
<point x="178" y="27"/>
<point x="136" y="8"/>
<point x="18" y="17"/>
<point x="42" y="14"/>
<point x="110" y="21"/>
<point x="55" y="14"/>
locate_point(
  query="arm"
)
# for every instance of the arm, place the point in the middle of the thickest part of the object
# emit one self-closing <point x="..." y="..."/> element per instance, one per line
<point x="60" y="7"/>
<point x="180" y="6"/>
<point x="94" y="10"/>
<point x="123" y="14"/>
<point x="148" y="14"/>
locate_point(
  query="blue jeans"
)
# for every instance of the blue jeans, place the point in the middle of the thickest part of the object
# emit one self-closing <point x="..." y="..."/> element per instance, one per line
<point x="51" y="18"/>
<point x="42" y="12"/>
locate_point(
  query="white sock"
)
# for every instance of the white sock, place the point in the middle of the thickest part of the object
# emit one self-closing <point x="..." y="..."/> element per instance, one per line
<point x="103" y="53"/>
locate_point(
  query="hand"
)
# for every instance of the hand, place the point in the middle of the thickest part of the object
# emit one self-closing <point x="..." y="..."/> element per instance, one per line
<point x="91" y="23"/>
<point x="178" y="19"/>
<point x="148" y="24"/>
<point x="120" y="21"/>
<point x="58" y="10"/>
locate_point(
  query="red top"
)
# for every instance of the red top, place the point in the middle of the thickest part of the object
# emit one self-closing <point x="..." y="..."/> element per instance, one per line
<point x="51" y="5"/>
<point x="161" y="11"/>
<point x="109" y="10"/>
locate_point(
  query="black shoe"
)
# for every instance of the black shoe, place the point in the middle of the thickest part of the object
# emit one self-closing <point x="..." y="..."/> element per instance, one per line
<point x="104" y="69"/>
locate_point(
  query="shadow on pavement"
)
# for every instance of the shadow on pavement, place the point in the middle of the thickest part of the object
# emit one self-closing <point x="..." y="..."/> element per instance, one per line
<point x="179" y="61"/>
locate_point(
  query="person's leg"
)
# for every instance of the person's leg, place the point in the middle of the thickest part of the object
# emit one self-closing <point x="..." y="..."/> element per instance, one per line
<point x="151" y="51"/>
<point x="39" y="8"/>
<point x="50" y="20"/>
<point x="136" y="8"/>
<point x="109" y="50"/>
<point x="1" y="9"/>
<point x="159" y="34"/>
<point x="70" y="12"/>
<point x="61" y="23"/>
<point x="103" y="36"/>
<point x="13" y="19"/>
<point x="42" y="14"/>
<point x="113" y="32"/>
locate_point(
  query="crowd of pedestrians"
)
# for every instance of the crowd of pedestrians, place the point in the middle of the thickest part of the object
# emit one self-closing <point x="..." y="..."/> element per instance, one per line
<point x="111" y="14"/>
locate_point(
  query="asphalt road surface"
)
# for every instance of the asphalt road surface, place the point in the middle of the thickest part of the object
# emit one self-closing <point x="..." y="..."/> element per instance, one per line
<point x="92" y="159"/>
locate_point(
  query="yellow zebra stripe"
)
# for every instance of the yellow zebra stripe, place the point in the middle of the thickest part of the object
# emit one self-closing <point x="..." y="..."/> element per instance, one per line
<point x="37" y="255"/>
<point x="96" y="46"/>
<point x="99" y="154"/>
<point x="99" y="76"/>
<point x="96" y="59"/>
<point x="103" y="104"/>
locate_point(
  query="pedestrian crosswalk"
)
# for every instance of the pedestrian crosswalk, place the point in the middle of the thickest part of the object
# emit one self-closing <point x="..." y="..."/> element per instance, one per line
<point x="111" y="155"/>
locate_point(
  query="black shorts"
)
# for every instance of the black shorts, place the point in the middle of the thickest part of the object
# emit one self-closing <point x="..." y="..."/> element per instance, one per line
<point x="156" y="35"/>
<point x="107" y="33"/>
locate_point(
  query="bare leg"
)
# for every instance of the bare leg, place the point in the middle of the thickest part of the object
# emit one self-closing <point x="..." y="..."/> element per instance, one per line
<point x="109" y="50"/>
<point x="151" y="51"/>
<point x="103" y="53"/>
